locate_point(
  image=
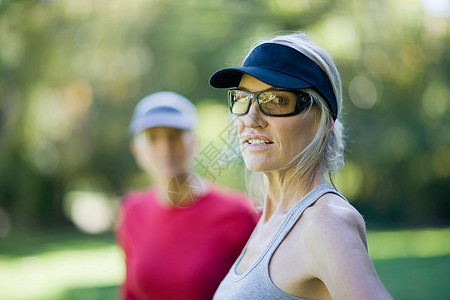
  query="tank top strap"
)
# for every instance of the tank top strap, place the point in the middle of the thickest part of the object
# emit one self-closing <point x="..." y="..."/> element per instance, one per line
<point x="296" y="211"/>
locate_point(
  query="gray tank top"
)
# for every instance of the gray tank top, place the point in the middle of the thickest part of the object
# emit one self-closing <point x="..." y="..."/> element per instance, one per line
<point x="255" y="283"/>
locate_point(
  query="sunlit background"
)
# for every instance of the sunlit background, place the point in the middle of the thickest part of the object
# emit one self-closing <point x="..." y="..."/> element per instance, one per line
<point x="71" y="72"/>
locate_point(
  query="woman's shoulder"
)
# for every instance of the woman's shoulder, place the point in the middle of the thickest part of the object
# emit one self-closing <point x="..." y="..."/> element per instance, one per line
<point x="332" y="218"/>
<point x="335" y="249"/>
<point x="137" y="198"/>
<point x="227" y="197"/>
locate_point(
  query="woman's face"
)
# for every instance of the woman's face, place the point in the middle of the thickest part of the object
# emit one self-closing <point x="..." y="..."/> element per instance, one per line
<point x="164" y="152"/>
<point x="269" y="143"/>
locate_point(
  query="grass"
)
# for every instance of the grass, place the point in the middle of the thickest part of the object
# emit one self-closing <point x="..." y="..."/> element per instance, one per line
<point x="67" y="265"/>
<point x="416" y="278"/>
<point x="59" y="265"/>
<point x="413" y="264"/>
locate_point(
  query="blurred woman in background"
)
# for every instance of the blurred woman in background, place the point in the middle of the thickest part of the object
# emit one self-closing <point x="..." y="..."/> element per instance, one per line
<point x="181" y="234"/>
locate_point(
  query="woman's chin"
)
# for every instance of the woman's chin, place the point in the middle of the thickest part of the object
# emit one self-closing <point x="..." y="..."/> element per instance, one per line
<point x="257" y="166"/>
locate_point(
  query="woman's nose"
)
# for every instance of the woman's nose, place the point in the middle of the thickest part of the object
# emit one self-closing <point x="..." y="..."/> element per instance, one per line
<point x="254" y="117"/>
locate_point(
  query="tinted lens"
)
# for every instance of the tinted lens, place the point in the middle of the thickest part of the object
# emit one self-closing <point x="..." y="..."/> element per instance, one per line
<point x="271" y="103"/>
<point x="239" y="101"/>
<point x="277" y="102"/>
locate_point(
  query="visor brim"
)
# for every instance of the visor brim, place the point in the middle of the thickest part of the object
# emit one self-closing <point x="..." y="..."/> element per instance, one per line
<point x="231" y="78"/>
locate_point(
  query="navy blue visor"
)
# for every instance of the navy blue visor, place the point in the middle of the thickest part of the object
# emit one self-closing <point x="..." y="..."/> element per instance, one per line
<point x="282" y="67"/>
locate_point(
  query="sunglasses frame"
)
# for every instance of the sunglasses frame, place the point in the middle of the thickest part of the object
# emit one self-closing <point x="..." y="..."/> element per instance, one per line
<point x="300" y="105"/>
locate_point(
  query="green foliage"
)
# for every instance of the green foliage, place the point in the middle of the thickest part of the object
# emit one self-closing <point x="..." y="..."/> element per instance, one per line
<point x="71" y="72"/>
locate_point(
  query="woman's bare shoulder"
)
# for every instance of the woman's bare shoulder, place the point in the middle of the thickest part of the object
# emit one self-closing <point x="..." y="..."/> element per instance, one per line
<point x="333" y="218"/>
<point x="335" y="245"/>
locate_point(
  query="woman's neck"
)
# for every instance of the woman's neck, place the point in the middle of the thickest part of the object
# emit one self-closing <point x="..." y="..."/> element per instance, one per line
<point x="283" y="191"/>
<point x="180" y="191"/>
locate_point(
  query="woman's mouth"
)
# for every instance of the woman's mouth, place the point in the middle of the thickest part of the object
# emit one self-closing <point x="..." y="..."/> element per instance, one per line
<point x="258" y="142"/>
<point x="255" y="144"/>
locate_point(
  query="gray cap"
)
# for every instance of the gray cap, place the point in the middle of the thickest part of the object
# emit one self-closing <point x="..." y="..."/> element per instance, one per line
<point x="163" y="109"/>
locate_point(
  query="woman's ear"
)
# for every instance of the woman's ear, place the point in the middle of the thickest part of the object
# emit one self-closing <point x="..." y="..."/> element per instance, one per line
<point x="133" y="149"/>
<point x="135" y="152"/>
<point x="330" y="124"/>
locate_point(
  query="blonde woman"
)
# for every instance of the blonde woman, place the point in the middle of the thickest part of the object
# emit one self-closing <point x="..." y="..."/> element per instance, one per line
<point x="310" y="243"/>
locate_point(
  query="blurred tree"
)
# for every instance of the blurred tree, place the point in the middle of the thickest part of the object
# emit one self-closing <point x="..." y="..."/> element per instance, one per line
<point x="71" y="72"/>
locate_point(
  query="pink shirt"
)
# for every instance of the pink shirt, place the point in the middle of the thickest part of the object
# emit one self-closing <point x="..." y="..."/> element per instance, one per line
<point x="181" y="253"/>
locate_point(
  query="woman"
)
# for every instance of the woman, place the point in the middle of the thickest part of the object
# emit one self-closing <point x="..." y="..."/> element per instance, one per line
<point x="310" y="243"/>
<point x="175" y="234"/>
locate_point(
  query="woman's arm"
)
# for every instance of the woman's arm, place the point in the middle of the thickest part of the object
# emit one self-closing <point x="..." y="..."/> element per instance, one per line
<point x="338" y="249"/>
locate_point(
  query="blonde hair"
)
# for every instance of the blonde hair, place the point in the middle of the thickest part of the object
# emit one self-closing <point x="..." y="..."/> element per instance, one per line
<point x="326" y="149"/>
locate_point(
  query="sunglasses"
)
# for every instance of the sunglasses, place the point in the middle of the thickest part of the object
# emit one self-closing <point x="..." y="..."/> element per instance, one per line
<point x="274" y="103"/>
